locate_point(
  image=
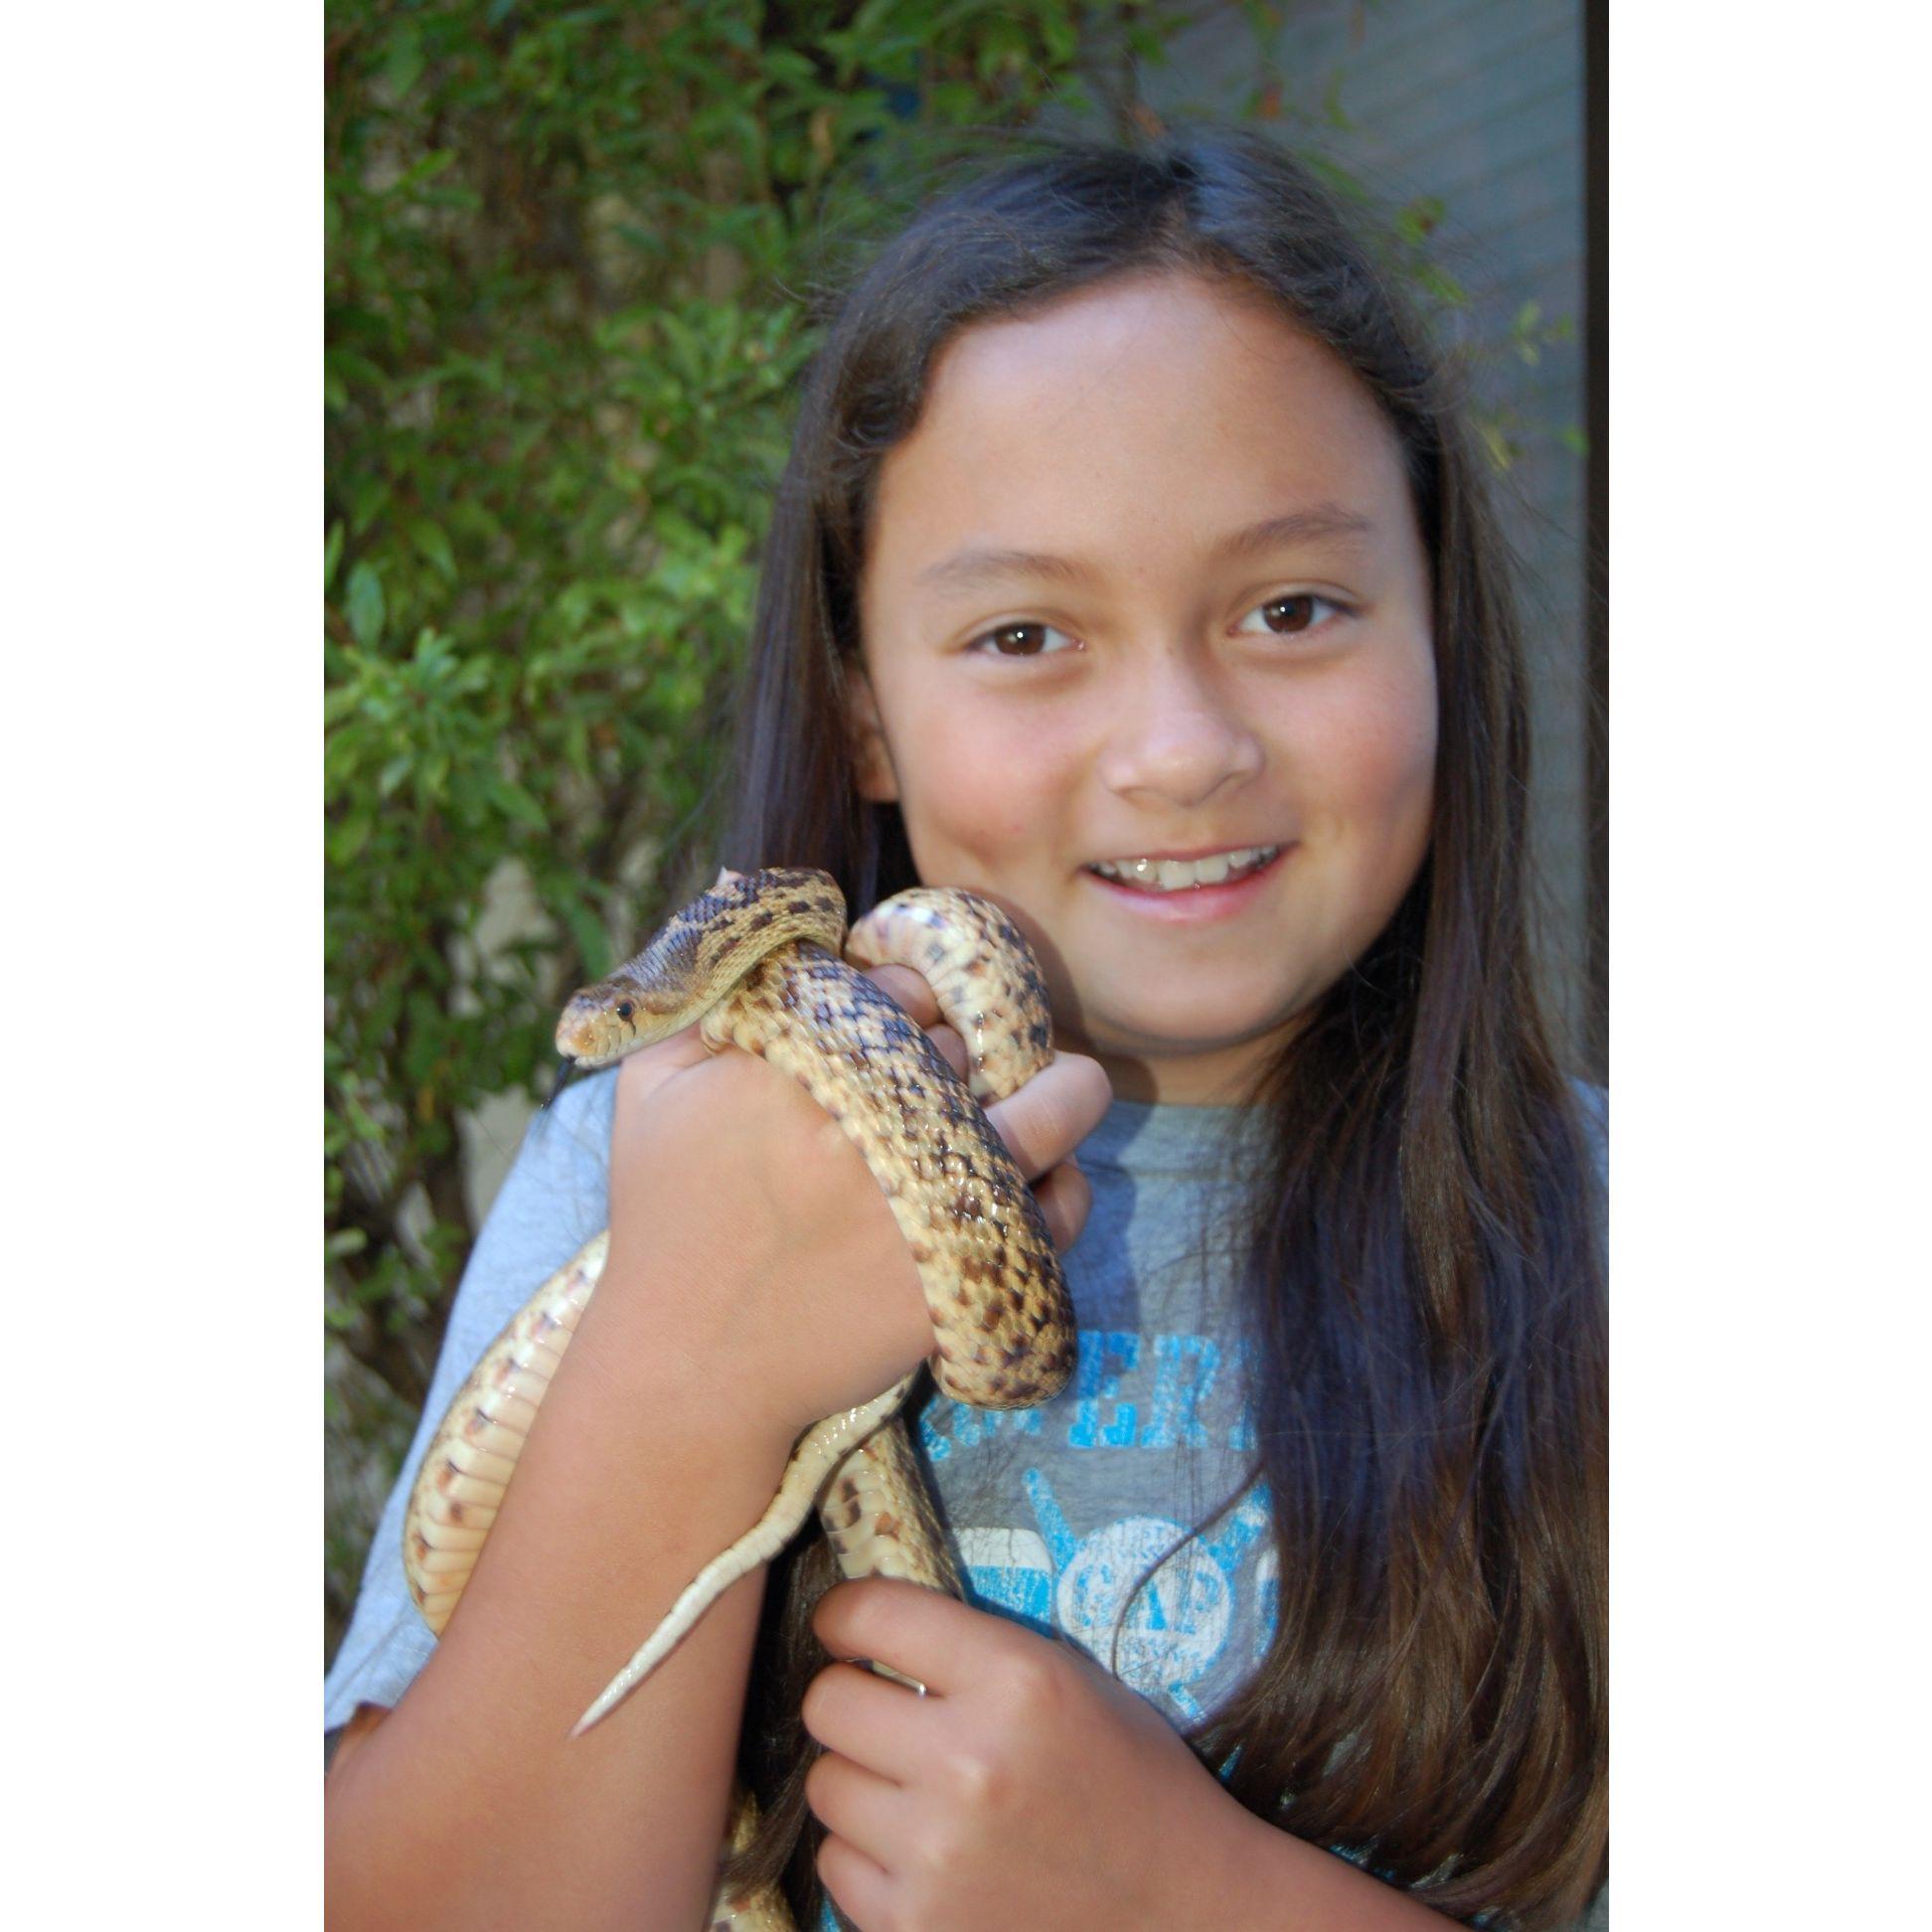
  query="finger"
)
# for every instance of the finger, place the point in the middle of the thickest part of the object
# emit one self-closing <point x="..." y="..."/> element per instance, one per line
<point x="1048" y="1118"/>
<point x="923" y="1634"/>
<point x="910" y="992"/>
<point x="858" y="1805"/>
<point x="860" y="1888"/>
<point x="1065" y="1197"/>
<point x="870" y="1720"/>
<point x="952" y="1049"/>
<point x="907" y="988"/>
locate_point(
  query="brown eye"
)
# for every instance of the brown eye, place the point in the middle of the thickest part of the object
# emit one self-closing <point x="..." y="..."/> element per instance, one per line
<point x="1289" y="613"/>
<point x="1023" y="640"/>
<point x="1292" y="616"/>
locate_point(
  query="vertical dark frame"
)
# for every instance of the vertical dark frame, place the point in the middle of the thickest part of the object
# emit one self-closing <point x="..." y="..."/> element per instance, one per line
<point x="1596" y="531"/>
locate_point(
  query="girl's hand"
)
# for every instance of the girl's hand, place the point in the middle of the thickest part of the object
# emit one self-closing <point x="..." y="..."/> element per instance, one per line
<point x="1027" y="1788"/>
<point x="763" y="1243"/>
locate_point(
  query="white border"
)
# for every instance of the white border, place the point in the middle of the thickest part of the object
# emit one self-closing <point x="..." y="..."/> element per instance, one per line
<point x="161" y="772"/>
<point x="1769" y="746"/>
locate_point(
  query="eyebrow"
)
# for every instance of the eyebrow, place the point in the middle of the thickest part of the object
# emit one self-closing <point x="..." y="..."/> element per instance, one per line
<point x="968" y="568"/>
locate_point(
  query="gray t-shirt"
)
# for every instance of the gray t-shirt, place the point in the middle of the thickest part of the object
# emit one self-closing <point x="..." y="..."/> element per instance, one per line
<point x="1073" y="1516"/>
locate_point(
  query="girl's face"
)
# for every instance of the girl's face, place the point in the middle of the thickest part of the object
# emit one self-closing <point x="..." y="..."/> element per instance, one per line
<point x="1145" y="584"/>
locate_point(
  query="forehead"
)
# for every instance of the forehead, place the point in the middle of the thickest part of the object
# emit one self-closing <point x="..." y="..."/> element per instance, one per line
<point x="1135" y="423"/>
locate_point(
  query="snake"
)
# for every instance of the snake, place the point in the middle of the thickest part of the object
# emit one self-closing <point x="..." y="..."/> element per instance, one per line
<point x="763" y="962"/>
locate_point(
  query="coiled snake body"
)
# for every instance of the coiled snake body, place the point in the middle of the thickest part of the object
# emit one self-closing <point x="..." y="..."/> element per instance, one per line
<point x="757" y="961"/>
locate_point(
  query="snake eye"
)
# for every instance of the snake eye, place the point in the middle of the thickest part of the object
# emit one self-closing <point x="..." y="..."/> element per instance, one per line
<point x="624" y="1010"/>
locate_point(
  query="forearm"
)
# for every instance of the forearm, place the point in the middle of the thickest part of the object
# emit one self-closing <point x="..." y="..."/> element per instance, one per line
<point x="471" y="1795"/>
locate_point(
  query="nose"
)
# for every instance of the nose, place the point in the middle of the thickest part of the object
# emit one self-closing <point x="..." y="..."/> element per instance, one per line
<point x="1178" y="738"/>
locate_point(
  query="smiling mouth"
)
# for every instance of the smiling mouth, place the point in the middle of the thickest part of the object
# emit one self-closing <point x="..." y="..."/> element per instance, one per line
<point x="1184" y="874"/>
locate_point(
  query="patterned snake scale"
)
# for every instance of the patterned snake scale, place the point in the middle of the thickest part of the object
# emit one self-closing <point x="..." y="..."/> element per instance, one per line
<point x="757" y="961"/>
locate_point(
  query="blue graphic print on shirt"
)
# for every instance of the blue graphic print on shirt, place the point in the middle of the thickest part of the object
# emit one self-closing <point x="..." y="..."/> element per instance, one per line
<point x="1178" y="1617"/>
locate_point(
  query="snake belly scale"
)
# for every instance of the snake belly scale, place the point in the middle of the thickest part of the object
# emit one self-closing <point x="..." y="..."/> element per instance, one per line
<point x="757" y="961"/>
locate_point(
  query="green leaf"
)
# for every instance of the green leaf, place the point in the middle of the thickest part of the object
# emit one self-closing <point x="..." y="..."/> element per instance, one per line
<point x="433" y="545"/>
<point x="347" y="840"/>
<point x="367" y="499"/>
<point x="514" y="802"/>
<point x="403" y="67"/>
<point x="332" y="553"/>
<point x="365" y="605"/>
<point x="1445" y="288"/>
<point x="1061" y="33"/>
<point x="428" y="169"/>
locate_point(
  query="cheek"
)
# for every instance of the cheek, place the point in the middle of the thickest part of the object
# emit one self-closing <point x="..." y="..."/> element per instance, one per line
<point x="977" y="785"/>
<point x="1367" y="756"/>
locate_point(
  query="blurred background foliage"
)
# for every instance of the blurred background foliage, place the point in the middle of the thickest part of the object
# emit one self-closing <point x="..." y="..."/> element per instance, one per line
<point x="570" y="254"/>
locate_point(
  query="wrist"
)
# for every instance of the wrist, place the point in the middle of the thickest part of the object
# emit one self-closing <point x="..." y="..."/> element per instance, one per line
<point x="1283" y="1883"/>
<point x="675" y="1335"/>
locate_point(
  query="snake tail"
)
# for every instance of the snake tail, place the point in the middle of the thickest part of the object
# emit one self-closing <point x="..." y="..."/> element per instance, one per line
<point x="819" y="1451"/>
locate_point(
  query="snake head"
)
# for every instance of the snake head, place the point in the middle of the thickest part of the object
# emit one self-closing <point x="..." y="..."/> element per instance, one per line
<point x="616" y="1017"/>
<point x="696" y="958"/>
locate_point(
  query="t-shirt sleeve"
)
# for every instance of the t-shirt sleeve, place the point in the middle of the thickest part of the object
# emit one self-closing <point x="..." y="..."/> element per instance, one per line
<point x="555" y="1198"/>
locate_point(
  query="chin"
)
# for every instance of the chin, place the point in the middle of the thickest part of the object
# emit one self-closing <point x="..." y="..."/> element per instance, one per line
<point x="1204" y="1029"/>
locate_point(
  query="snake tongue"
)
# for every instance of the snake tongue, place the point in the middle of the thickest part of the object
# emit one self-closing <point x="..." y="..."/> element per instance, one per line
<point x="566" y="1070"/>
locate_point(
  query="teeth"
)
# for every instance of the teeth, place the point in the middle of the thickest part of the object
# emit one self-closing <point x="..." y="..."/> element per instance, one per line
<point x="1178" y="875"/>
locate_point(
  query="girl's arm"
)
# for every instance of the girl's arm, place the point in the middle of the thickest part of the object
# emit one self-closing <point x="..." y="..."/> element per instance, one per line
<point x="470" y="1801"/>
<point x="755" y="1281"/>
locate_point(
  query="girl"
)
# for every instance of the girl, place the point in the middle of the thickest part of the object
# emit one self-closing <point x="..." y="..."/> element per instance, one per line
<point x="1132" y="570"/>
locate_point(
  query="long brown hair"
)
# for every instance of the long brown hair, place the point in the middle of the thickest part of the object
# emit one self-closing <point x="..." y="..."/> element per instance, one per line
<point x="1423" y="1279"/>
